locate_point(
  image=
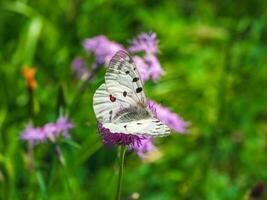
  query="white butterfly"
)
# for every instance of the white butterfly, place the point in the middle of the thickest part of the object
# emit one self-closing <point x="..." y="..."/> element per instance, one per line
<point x="120" y="103"/>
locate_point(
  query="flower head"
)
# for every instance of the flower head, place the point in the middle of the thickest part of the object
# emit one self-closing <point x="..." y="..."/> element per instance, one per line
<point x="172" y="120"/>
<point x="142" y="68"/>
<point x="152" y="107"/>
<point x="142" y="145"/>
<point x="154" y="68"/>
<point x="146" y="145"/>
<point x="32" y="134"/>
<point x="64" y="125"/>
<point x="79" y="68"/>
<point x="103" y="48"/>
<point x="146" y="42"/>
<point x="29" y="75"/>
<point x="149" y="65"/>
<point x="50" y="131"/>
<point x="110" y="138"/>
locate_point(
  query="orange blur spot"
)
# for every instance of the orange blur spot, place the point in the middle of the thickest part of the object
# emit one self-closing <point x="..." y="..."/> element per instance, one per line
<point x="29" y="75"/>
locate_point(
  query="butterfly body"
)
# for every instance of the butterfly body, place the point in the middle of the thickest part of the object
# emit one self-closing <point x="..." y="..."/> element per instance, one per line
<point x="131" y="113"/>
<point x="120" y="103"/>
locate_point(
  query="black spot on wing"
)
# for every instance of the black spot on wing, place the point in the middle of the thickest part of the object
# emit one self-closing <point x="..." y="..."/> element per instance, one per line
<point x="139" y="89"/>
<point x="127" y="72"/>
<point x="135" y="79"/>
<point x="124" y="93"/>
<point x="110" y="115"/>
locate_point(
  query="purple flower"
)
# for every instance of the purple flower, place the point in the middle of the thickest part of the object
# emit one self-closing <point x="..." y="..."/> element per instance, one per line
<point x="111" y="139"/>
<point x="142" y="68"/>
<point x="64" y="125"/>
<point x="103" y="49"/>
<point x="146" y="42"/>
<point x="32" y="134"/>
<point x="79" y="68"/>
<point x="171" y="119"/>
<point x="154" y="68"/>
<point x="148" y="66"/>
<point x="50" y="131"/>
<point x="144" y="147"/>
<point x="152" y="106"/>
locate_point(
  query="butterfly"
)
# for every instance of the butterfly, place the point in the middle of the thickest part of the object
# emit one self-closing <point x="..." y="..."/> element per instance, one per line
<point x="120" y="103"/>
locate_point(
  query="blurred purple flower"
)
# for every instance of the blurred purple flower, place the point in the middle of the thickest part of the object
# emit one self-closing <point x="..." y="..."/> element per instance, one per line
<point x="49" y="131"/>
<point x="79" y="68"/>
<point x="150" y="64"/>
<point x="111" y="139"/>
<point x="172" y="120"/>
<point x="142" y="68"/>
<point x="103" y="49"/>
<point x="32" y="134"/>
<point x="152" y="106"/>
<point x="144" y="147"/>
<point x="146" y="42"/>
<point x="154" y="68"/>
<point x="64" y="125"/>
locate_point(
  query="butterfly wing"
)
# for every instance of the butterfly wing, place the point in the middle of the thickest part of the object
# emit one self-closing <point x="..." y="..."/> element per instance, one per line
<point x="109" y="108"/>
<point x="146" y="127"/>
<point x="105" y="105"/>
<point x="123" y="80"/>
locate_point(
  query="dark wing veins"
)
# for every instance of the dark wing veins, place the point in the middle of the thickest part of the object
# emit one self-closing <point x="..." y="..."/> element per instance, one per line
<point x="131" y="114"/>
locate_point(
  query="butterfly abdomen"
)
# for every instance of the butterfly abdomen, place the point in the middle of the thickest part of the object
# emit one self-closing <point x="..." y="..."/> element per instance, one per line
<point x="130" y="114"/>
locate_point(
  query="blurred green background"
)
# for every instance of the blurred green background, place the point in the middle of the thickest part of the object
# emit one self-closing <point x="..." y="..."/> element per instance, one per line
<point x="215" y="56"/>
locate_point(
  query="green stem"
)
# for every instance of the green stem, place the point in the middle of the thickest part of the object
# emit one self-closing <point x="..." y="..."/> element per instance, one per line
<point x="65" y="170"/>
<point x="60" y="155"/>
<point x="121" y="158"/>
<point x="31" y="103"/>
